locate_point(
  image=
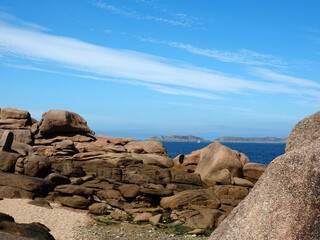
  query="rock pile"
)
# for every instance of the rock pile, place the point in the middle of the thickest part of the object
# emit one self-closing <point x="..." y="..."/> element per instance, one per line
<point x="119" y="177"/>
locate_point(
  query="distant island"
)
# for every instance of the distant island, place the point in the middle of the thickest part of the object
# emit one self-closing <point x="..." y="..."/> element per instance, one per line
<point x="190" y="138"/>
<point x="175" y="138"/>
<point x="252" y="139"/>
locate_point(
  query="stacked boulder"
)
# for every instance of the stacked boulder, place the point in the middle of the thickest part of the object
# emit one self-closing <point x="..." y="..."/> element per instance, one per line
<point x="123" y="178"/>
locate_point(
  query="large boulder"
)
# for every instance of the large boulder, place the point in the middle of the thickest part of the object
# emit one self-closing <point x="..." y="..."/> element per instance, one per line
<point x="217" y="157"/>
<point x="304" y="132"/>
<point x="60" y="121"/>
<point x="284" y="203"/>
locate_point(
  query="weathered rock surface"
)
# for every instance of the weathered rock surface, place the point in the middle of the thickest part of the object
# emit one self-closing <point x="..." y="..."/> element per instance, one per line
<point x="304" y="132"/>
<point x="284" y="202"/>
<point x="216" y="157"/>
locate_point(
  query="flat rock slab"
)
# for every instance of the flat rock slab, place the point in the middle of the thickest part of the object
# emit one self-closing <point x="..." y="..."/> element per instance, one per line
<point x="32" y="184"/>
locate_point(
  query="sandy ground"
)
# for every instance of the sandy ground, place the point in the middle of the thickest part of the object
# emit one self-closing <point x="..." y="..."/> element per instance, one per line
<point x="59" y="220"/>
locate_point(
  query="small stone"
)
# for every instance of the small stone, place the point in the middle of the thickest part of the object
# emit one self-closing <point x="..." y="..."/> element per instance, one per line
<point x="142" y="217"/>
<point x="197" y="231"/>
<point x="154" y="220"/>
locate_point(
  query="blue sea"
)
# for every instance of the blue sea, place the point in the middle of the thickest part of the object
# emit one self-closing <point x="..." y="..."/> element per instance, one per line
<point x="256" y="152"/>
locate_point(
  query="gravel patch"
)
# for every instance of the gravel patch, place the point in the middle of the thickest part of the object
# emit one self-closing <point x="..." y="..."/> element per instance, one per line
<point x="127" y="231"/>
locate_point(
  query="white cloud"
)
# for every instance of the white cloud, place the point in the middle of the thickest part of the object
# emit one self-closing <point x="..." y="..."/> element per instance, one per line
<point x="132" y="67"/>
<point x="242" y="56"/>
<point x="277" y="77"/>
<point x="178" y="19"/>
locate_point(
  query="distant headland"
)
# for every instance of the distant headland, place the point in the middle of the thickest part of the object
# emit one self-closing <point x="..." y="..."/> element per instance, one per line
<point x="252" y="139"/>
<point x="190" y="138"/>
<point x="175" y="138"/>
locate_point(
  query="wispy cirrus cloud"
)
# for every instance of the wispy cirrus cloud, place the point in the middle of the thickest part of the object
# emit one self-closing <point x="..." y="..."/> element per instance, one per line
<point x="270" y="75"/>
<point x="178" y="19"/>
<point x="242" y="56"/>
<point x="119" y="65"/>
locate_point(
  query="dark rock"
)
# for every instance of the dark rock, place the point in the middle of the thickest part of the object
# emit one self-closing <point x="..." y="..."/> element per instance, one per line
<point x="8" y="160"/>
<point x="31" y="230"/>
<point x="58" y="179"/>
<point x="6" y="217"/>
<point x="74" y="190"/>
<point x="33" y="184"/>
<point x="14" y="192"/>
<point x="37" y="166"/>
<point x="40" y="203"/>
<point x="6" y="140"/>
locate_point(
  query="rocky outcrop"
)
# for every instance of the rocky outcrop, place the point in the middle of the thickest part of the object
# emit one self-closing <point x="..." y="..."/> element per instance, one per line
<point x="120" y="177"/>
<point x="284" y="203"/>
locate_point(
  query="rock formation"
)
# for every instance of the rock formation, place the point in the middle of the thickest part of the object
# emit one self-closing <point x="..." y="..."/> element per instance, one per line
<point x="119" y="177"/>
<point x="284" y="203"/>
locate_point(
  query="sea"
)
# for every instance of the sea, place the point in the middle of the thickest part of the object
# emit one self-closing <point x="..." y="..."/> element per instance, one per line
<point x="256" y="152"/>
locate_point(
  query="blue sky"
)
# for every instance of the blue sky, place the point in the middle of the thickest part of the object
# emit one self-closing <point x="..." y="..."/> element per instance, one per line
<point x="138" y="68"/>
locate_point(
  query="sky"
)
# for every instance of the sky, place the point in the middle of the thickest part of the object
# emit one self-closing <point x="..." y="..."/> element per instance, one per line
<point x="138" y="68"/>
